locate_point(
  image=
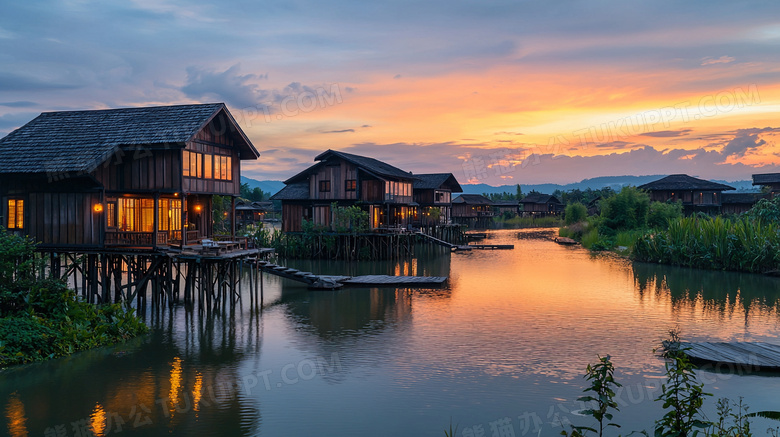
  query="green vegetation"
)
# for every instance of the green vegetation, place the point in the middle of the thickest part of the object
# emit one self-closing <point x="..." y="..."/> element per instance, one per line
<point x="517" y="195"/>
<point x="575" y="213"/>
<point x="518" y="222"/>
<point x="42" y="318"/>
<point x="253" y="195"/>
<point x="682" y="396"/>
<point x="714" y="243"/>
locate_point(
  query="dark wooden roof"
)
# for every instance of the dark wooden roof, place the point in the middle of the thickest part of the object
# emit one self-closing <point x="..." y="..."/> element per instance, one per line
<point x="683" y="182"/>
<point x="432" y="181"/>
<point x="294" y="191"/>
<point x="472" y="199"/>
<point x="81" y="140"/>
<point x="540" y="198"/>
<point x="372" y="166"/>
<point x="766" y="178"/>
<point x="741" y="198"/>
<point x="506" y="203"/>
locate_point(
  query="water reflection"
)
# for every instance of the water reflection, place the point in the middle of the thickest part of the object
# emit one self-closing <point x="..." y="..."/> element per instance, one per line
<point x="716" y="294"/>
<point x="14" y="413"/>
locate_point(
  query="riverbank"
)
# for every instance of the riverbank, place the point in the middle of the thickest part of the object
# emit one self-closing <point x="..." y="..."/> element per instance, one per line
<point x="42" y="319"/>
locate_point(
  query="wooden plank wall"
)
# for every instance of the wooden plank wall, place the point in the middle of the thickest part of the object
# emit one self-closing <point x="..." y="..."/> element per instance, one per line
<point x="372" y="190"/>
<point x="337" y="173"/>
<point x="142" y="170"/>
<point x="292" y="217"/>
<point x="212" y="140"/>
<point x="64" y="218"/>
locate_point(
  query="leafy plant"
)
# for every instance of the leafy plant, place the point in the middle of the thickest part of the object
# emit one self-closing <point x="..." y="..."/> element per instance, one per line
<point x="602" y="384"/>
<point x="575" y="212"/>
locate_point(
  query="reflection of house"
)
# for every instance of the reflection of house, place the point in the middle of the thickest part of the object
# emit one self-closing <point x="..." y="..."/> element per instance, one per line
<point x="506" y="207"/>
<point x="120" y="177"/>
<point x="769" y="180"/>
<point x="432" y="192"/>
<point x="346" y="179"/>
<point x="538" y="204"/>
<point x="472" y="210"/>
<point x="696" y="194"/>
<point x="737" y="203"/>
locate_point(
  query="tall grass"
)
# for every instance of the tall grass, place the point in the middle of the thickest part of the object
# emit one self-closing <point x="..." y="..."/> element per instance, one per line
<point x="527" y="222"/>
<point x="713" y="243"/>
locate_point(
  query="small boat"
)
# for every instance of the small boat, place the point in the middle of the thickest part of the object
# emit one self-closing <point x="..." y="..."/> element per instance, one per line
<point x="565" y="241"/>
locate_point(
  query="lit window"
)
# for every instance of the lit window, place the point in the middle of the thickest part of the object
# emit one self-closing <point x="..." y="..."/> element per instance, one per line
<point x="15" y="213"/>
<point x="350" y="185"/>
<point x="324" y="186"/>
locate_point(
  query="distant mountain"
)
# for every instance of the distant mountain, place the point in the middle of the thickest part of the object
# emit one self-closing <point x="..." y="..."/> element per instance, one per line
<point x="272" y="187"/>
<point x="615" y="182"/>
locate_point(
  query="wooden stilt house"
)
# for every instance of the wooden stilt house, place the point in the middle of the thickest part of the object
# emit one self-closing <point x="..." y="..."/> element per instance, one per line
<point x="384" y="191"/>
<point x="134" y="177"/>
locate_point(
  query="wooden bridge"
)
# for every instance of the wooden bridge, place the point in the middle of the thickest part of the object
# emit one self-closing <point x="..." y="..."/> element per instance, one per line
<point x="741" y="355"/>
<point x="330" y="282"/>
<point x="457" y="247"/>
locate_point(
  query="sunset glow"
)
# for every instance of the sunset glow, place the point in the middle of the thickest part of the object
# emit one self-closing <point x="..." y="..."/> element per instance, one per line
<point x="526" y="92"/>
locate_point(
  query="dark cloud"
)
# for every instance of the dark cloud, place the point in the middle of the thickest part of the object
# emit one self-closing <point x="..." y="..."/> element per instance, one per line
<point x="741" y="144"/>
<point x="19" y="104"/>
<point x="667" y="133"/>
<point x="339" y="131"/>
<point x="227" y="86"/>
<point x="16" y="82"/>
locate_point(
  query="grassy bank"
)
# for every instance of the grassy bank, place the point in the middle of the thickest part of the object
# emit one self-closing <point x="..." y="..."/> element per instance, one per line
<point x="519" y="222"/>
<point x="713" y="243"/>
<point x="42" y="319"/>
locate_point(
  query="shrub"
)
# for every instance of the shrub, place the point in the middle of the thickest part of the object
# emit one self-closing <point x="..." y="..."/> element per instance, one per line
<point x="624" y="211"/>
<point x="661" y="213"/>
<point x="575" y="213"/>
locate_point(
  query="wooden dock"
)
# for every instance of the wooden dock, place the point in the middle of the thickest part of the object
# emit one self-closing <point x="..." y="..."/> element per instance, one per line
<point x="745" y="355"/>
<point x="491" y="246"/>
<point x="331" y="282"/>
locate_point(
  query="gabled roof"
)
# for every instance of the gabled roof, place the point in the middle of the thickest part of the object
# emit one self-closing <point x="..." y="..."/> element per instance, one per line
<point x="742" y="198"/>
<point x="540" y="198"/>
<point x="432" y="181"/>
<point x="766" y="178"/>
<point x="472" y="199"/>
<point x="506" y="203"/>
<point x="683" y="182"/>
<point x="295" y="191"/>
<point x="80" y="140"/>
<point x="373" y="166"/>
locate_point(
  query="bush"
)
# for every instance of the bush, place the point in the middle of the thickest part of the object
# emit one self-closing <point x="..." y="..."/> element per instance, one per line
<point x="661" y="213"/>
<point x="626" y="210"/>
<point x="575" y="213"/>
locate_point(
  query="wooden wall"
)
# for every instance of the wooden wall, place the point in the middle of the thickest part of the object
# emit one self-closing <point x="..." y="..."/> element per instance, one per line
<point x="292" y="217"/>
<point x="337" y="172"/>
<point x="142" y="170"/>
<point x="61" y="219"/>
<point x="212" y="140"/>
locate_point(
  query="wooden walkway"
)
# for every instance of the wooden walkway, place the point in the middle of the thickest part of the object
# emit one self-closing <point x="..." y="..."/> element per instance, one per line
<point x="748" y="355"/>
<point x="331" y="282"/>
<point x="458" y="248"/>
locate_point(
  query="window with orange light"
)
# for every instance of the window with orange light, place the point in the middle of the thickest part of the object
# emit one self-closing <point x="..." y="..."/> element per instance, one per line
<point x="15" y="213"/>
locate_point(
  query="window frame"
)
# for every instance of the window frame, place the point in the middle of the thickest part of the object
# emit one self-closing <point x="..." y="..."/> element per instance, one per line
<point x="324" y="186"/>
<point x="18" y="213"/>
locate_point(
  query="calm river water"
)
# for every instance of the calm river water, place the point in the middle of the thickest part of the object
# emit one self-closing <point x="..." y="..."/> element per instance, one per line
<point x="501" y="349"/>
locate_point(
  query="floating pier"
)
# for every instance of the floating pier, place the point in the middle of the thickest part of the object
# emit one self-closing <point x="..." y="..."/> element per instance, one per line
<point x="331" y="282"/>
<point x="756" y="356"/>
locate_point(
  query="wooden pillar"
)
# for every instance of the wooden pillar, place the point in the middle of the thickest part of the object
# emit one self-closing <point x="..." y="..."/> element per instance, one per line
<point x="184" y="221"/>
<point x="156" y="219"/>
<point x="233" y="218"/>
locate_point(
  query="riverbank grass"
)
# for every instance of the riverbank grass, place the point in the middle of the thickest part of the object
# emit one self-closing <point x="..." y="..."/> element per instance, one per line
<point x="42" y="319"/>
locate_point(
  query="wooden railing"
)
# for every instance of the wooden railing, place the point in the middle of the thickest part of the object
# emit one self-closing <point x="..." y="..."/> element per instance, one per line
<point x="129" y="238"/>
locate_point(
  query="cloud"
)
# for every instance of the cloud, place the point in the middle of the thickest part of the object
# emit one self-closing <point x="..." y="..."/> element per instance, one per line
<point x="667" y="133"/>
<point x="14" y="120"/>
<point x="339" y="131"/>
<point x="19" y="104"/>
<point x="227" y="86"/>
<point x="10" y="82"/>
<point x="721" y="60"/>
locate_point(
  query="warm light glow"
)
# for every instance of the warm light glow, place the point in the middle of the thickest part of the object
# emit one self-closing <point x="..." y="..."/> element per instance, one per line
<point x="175" y="194"/>
<point x="98" y="207"/>
<point x="98" y="421"/>
<point x="14" y="413"/>
<point x="197" y="208"/>
<point x="173" y="395"/>
<point x="196" y="391"/>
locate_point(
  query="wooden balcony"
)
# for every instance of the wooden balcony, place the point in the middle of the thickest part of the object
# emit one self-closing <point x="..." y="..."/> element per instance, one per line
<point x="135" y="239"/>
